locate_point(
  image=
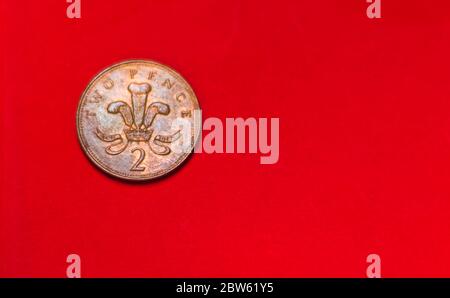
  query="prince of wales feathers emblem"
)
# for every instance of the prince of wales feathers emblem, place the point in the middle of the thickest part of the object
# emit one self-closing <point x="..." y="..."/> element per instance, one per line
<point x="138" y="120"/>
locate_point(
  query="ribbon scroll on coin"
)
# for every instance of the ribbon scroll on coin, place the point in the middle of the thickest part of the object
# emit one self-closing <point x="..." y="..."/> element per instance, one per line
<point x="133" y="116"/>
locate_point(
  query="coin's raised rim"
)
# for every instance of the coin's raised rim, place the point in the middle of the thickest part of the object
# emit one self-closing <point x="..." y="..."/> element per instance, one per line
<point x="107" y="169"/>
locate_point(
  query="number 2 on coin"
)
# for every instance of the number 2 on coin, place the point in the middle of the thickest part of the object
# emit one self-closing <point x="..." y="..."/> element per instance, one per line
<point x="137" y="165"/>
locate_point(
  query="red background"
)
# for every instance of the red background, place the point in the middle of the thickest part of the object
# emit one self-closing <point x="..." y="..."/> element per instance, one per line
<point x="364" y="152"/>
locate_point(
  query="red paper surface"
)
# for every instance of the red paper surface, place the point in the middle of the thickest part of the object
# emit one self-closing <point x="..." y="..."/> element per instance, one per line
<point x="364" y="140"/>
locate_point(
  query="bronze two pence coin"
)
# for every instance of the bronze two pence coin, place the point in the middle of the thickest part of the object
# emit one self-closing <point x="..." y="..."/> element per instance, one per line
<point x="138" y="120"/>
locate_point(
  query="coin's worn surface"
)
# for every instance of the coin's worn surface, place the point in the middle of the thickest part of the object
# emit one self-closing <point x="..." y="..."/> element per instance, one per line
<point x="138" y="120"/>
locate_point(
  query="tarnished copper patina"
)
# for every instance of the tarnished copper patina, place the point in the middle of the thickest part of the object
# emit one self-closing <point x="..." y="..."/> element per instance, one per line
<point x="138" y="120"/>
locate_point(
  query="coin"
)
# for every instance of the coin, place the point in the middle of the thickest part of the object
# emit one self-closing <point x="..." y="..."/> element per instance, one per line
<point x="138" y="120"/>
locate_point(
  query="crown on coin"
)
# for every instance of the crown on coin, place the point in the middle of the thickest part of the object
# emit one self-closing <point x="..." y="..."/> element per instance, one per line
<point x="134" y="135"/>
